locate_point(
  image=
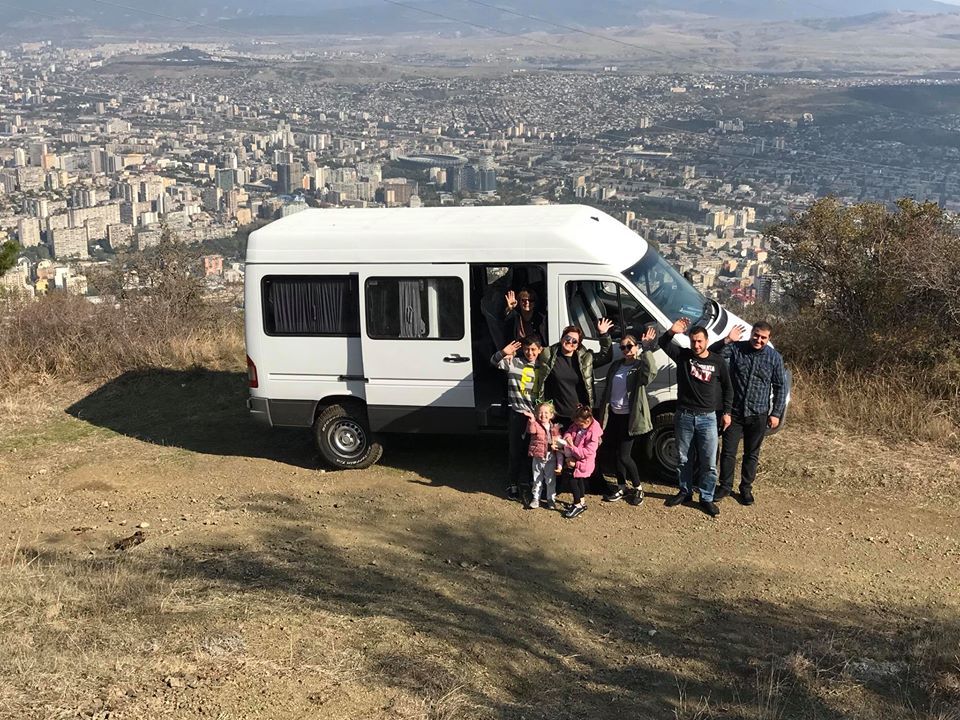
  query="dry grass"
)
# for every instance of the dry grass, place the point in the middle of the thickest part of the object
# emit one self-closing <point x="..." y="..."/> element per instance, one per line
<point x="116" y="636"/>
<point x="888" y="406"/>
<point x="64" y="337"/>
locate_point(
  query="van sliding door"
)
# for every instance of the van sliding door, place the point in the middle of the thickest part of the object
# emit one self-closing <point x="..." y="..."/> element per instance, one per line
<point x="416" y="344"/>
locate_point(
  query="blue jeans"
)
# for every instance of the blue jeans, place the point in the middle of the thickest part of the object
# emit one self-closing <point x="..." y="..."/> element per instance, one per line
<point x="700" y="431"/>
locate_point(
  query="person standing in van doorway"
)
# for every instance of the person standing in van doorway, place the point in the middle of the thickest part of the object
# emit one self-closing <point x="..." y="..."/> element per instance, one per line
<point x="523" y="318"/>
<point x="625" y="411"/>
<point x="521" y="380"/>
<point x="565" y="375"/>
<point x="703" y="385"/>
<point x="759" y="401"/>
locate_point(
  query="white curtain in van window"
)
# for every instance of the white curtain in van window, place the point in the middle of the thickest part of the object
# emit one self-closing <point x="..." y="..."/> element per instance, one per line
<point x="411" y="311"/>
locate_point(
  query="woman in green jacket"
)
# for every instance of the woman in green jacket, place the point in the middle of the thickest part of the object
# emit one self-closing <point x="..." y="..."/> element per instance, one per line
<point x="625" y="412"/>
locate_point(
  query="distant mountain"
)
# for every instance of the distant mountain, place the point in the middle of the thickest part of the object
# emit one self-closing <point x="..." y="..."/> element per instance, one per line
<point x="195" y="20"/>
<point x="377" y="16"/>
<point x="765" y="10"/>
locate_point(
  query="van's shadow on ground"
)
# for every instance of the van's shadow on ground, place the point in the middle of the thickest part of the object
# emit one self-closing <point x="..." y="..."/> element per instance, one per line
<point x="205" y="412"/>
<point x="202" y="411"/>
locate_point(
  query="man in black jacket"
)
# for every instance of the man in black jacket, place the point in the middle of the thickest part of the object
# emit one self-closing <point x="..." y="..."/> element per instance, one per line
<point x="703" y="385"/>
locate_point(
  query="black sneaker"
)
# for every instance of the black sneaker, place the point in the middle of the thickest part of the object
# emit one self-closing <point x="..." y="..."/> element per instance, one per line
<point x="615" y="496"/>
<point x="678" y="499"/>
<point x="710" y="508"/>
<point x="550" y="505"/>
<point x="720" y="493"/>
<point x="746" y="497"/>
<point x="637" y="498"/>
<point x="513" y="492"/>
<point x="574" y="511"/>
<point x="527" y="505"/>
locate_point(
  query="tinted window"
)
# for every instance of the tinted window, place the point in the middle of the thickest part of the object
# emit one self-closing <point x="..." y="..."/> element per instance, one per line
<point x="590" y="300"/>
<point x="415" y="308"/>
<point x="325" y="305"/>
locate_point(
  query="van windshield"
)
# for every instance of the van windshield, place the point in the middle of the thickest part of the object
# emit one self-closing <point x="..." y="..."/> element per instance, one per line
<point x="668" y="289"/>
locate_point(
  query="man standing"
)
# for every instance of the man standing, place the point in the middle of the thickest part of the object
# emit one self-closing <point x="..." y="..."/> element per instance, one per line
<point x="756" y="370"/>
<point x="703" y="385"/>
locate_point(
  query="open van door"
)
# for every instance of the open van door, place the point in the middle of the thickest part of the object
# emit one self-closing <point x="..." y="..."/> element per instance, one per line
<point x="416" y="344"/>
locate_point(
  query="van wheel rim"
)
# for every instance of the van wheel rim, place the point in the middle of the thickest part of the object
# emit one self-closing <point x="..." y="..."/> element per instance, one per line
<point x="347" y="438"/>
<point x="667" y="452"/>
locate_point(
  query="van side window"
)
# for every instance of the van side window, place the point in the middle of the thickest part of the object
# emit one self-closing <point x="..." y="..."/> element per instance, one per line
<point x="420" y="308"/>
<point x="590" y="300"/>
<point x="311" y="305"/>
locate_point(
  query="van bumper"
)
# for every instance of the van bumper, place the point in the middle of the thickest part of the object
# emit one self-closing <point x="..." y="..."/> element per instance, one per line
<point x="259" y="410"/>
<point x="282" y="413"/>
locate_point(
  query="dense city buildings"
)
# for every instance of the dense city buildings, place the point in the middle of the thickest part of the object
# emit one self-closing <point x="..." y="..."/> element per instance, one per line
<point x="96" y="159"/>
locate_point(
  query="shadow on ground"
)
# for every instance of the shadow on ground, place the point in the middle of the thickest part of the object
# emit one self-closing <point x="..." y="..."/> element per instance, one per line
<point x="205" y="412"/>
<point x="202" y="411"/>
<point x="530" y="633"/>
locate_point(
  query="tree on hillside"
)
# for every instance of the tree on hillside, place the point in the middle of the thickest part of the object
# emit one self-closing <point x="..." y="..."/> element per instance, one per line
<point x="874" y="282"/>
<point x="9" y="252"/>
<point x="867" y="264"/>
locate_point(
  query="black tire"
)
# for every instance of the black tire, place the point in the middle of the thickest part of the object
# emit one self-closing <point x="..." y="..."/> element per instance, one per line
<point x="660" y="446"/>
<point x="344" y="438"/>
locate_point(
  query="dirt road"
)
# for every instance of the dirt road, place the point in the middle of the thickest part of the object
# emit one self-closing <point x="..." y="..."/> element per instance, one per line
<point x="265" y="588"/>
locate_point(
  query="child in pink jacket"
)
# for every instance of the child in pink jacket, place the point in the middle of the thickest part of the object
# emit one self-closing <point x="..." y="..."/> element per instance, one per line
<point x="579" y="445"/>
<point x="545" y="457"/>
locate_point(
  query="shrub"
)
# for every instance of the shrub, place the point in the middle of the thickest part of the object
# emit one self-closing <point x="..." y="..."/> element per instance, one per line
<point x="67" y="337"/>
<point x="872" y="290"/>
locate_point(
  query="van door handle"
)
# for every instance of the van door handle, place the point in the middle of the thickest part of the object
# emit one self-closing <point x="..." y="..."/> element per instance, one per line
<point x="455" y="358"/>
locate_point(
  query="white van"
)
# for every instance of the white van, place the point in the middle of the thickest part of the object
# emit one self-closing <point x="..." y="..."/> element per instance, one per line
<point x="368" y="321"/>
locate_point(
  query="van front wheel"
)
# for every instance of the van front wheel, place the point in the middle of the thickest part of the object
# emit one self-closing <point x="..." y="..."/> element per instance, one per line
<point x="344" y="438"/>
<point x="661" y="446"/>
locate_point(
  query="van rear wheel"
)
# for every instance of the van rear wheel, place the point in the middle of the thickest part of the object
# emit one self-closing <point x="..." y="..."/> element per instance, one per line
<point x="660" y="446"/>
<point x="344" y="438"/>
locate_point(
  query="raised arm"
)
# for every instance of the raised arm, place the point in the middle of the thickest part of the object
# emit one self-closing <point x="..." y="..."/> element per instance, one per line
<point x="604" y="355"/>
<point x="506" y="354"/>
<point x="511" y="299"/>
<point x="666" y="340"/>
<point x="722" y="346"/>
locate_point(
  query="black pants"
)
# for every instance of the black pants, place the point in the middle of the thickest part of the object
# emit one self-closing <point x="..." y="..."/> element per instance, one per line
<point x="618" y="430"/>
<point x="751" y="430"/>
<point x="568" y="483"/>
<point x="578" y="486"/>
<point x="518" y="467"/>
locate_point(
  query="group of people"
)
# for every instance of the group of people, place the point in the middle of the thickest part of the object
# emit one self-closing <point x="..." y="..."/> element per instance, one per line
<point x="735" y="388"/>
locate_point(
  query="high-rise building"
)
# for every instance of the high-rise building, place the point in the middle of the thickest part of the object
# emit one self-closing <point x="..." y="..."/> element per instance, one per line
<point x="119" y="235"/>
<point x="28" y="232"/>
<point x="69" y="242"/>
<point x="225" y="179"/>
<point x="289" y="178"/>
<point x="210" y="198"/>
<point x="455" y="179"/>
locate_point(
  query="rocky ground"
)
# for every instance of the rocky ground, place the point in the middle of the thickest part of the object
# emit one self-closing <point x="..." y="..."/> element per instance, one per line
<point x="264" y="587"/>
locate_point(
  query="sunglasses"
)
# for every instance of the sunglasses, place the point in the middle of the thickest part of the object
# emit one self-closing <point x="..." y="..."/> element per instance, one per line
<point x="627" y="346"/>
<point x="525" y="300"/>
<point x="570" y="339"/>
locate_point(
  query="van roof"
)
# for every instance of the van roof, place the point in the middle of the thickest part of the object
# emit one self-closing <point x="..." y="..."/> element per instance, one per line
<point x="528" y="233"/>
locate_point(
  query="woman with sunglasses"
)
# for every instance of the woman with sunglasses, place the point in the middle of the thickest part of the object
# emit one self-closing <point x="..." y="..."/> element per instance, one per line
<point x="625" y="412"/>
<point x="523" y="318"/>
<point x="565" y="376"/>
